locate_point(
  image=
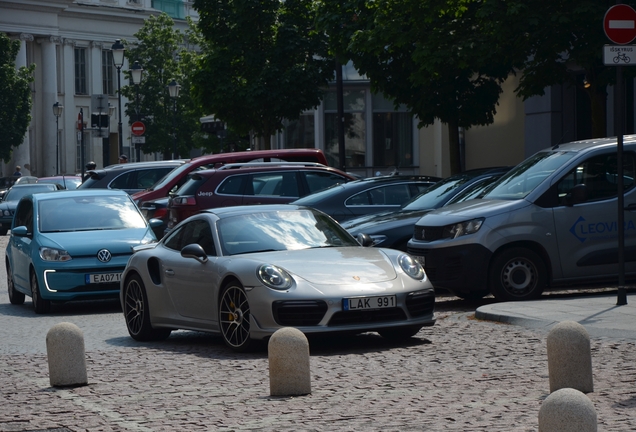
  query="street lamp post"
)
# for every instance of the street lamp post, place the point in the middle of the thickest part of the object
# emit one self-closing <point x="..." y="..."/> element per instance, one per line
<point x="173" y="89"/>
<point x="57" y="112"/>
<point x="136" y="71"/>
<point x="118" y="59"/>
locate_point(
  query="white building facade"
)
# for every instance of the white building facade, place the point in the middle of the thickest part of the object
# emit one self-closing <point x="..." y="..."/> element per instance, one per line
<point x="70" y="43"/>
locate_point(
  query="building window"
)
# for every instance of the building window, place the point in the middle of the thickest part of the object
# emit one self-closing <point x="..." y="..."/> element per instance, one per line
<point x="107" y="73"/>
<point x="355" y="128"/>
<point x="80" y="71"/>
<point x="393" y="139"/>
<point x="300" y="133"/>
<point x="174" y="8"/>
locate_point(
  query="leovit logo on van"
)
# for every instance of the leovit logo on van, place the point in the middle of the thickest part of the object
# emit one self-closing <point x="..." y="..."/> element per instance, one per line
<point x="583" y="229"/>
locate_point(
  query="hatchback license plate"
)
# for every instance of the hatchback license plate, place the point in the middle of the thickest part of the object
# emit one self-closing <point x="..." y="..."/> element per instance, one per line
<point x="103" y="278"/>
<point x="360" y="303"/>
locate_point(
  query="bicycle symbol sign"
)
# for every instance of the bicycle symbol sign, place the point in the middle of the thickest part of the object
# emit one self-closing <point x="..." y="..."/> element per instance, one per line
<point x="619" y="55"/>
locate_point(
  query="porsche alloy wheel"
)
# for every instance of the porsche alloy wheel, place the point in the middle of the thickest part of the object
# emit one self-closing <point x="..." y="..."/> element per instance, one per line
<point x="137" y="314"/>
<point x="234" y="318"/>
<point x="40" y="305"/>
<point x="15" y="296"/>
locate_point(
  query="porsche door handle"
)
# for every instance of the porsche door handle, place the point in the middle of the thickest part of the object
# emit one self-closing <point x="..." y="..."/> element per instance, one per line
<point x="169" y="272"/>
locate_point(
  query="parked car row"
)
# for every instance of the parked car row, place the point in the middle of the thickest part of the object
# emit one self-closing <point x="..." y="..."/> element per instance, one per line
<point x="244" y="271"/>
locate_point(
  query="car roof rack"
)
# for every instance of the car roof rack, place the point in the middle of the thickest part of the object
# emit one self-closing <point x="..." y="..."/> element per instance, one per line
<point x="268" y="164"/>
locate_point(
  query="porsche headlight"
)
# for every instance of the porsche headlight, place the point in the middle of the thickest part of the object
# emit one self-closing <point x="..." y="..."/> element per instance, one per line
<point x="411" y="267"/>
<point x="274" y="277"/>
<point x="52" y="254"/>
<point x="462" y="228"/>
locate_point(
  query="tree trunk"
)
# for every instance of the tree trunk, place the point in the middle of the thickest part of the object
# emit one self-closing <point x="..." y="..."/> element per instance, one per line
<point x="453" y="146"/>
<point x="598" y="102"/>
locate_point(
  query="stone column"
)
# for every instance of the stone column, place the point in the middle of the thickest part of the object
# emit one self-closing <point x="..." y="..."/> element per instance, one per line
<point x="49" y="97"/>
<point x="68" y="145"/>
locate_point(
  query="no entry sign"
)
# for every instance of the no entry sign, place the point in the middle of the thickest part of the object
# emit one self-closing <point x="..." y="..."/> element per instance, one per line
<point x="620" y="24"/>
<point x="138" y="128"/>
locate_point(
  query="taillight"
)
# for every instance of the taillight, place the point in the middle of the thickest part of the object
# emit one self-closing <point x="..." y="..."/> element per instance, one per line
<point x="159" y="214"/>
<point x="184" y="200"/>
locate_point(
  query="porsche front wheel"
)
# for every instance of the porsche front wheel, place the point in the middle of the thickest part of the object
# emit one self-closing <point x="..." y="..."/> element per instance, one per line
<point x="234" y="318"/>
<point x="137" y="312"/>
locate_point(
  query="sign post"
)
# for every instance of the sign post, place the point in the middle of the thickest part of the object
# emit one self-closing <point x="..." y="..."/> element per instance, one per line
<point x="138" y="128"/>
<point x="619" y="24"/>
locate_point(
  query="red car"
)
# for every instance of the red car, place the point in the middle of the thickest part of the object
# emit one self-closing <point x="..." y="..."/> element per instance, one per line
<point x="249" y="184"/>
<point x="176" y="178"/>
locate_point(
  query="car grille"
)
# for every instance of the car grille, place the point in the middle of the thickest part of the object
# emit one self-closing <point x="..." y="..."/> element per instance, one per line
<point x="367" y="316"/>
<point x="420" y="303"/>
<point x="299" y="312"/>
<point x="427" y="233"/>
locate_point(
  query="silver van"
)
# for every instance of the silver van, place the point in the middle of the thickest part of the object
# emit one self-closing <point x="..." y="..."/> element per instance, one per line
<point x="552" y="220"/>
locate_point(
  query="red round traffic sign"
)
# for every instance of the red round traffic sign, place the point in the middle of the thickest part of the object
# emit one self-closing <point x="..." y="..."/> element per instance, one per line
<point x="138" y="128"/>
<point x="620" y="24"/>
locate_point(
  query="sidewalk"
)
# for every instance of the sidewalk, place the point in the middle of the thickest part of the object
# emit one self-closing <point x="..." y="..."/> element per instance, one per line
<point x="600" y="315"/>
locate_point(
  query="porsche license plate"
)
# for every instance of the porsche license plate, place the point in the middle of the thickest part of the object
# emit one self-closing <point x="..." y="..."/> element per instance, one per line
<point x="103" y="278"/>
<point x="377" y="302"/>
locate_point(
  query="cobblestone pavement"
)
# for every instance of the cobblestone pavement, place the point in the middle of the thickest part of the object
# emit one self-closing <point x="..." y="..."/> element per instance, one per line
<point x="460" y="375"/>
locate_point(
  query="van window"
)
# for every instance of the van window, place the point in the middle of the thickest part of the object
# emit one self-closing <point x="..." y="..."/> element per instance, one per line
<point x="600" y="175"/>
<point x="526" y="176"/>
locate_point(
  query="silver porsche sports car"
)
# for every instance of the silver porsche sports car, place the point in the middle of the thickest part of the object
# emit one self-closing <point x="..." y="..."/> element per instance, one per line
<point x="245" y="272"/>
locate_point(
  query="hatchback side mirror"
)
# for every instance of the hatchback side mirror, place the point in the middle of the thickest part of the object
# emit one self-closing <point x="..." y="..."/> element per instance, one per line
<point x="364" y="239"/>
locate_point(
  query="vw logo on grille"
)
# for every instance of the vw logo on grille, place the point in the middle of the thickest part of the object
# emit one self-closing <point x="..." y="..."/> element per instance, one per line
<point x="104" y="255"/>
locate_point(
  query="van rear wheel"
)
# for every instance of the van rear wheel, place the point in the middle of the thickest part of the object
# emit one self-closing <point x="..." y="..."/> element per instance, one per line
<point x="517" y="274"/>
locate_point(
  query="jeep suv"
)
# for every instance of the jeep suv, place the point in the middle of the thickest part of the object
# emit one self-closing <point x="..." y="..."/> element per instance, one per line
<point x="250" y="183"/>
<point x="176" y="178"/>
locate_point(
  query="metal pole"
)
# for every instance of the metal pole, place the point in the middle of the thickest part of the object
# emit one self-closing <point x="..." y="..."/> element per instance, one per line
<point x="341" y="119"/>
<point x="57" y="145"/>
<point x="619" y="96"/>
<point x="174" y="130"/>
<point x="119" y="113"/>
<point x="137" y="118"/>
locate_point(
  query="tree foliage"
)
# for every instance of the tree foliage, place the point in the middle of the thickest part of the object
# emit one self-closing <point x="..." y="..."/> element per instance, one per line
<point x="565" y="44"/>
<point x="15" y="97"/>
<point x="165" y="53"/>
<point x="439" y="57"/>
<point x="263" y="61"/>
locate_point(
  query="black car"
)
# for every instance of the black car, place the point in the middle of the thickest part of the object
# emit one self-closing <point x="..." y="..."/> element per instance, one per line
<point x="371" y="195"/>
<point x="13" y="197"/>
<point x="393" y="229"/>
<point x="130" y="177"/>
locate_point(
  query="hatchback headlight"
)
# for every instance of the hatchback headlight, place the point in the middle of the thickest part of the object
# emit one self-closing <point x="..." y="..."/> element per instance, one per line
<point x="52" y="254"/>
<point x="274" y="277"/>
<point x="462" y="228"/>
<point x="411" y="267"/>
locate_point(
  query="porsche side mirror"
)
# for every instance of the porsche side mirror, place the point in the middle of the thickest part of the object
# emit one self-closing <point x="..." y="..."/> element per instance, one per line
<point x="195" y="251"/>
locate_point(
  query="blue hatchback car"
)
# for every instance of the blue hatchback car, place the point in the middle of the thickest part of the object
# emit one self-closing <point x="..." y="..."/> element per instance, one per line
<point x="72" y="245"/>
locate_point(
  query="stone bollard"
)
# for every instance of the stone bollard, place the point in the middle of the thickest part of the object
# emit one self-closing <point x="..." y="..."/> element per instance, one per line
<point x="567" y="410"/>
<point x="65" y="351"/>
<point x="288" y="354"/>
<point x="570" y="357"/>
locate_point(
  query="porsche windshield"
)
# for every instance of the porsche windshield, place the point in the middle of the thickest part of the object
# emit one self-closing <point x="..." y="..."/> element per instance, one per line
<point x="280" y="230"/>
<point x="526" y="176"/>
